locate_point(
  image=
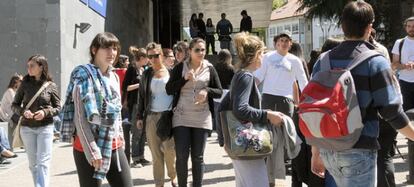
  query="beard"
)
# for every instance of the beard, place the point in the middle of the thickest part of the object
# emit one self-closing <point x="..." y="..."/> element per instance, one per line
<point x="410" y="34"/>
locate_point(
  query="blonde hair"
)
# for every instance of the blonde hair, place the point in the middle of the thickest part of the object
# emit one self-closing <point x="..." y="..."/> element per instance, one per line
<point x="247" y="47"/>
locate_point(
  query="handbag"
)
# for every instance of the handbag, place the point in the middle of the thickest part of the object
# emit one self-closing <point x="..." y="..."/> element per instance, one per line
<point x="164" y="125"/>
<point x="245" y="141"/>
<point x="17" y="139"/>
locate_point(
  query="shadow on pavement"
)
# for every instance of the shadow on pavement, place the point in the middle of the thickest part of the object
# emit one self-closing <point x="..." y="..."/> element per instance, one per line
<point x="215" y="167"/>
<point x="74" y="172"/>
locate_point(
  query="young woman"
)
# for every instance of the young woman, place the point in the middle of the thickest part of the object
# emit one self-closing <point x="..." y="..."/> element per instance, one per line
<point x="193" y="26"/>
<point x="6" y="112"/>
<point x="153" y="100"/>
<point x="181" y="52"/>
<point x="94" y="96"/>
<point x="193" y="83"/>
<point x="168" y="58"/>
<point x="210" y="40"/>
<point x="130" y="87"/>
<point x="37" y="123"/>
<point x="245" y="104"/>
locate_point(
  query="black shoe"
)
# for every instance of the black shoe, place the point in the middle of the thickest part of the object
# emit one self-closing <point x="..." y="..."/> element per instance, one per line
<point x="4" y="161"/>
<point x="145" y="162"/>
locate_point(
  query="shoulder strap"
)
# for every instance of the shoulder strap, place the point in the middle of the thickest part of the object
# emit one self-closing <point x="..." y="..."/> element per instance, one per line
<point x="400" y="49"/>
<point x="363" y="56"/>
<point x="37" y="94"/>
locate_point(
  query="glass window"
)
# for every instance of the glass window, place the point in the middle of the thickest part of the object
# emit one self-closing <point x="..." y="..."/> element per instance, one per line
<point x="287" y="28"/>
<point x="279" y="29"/>
<point x="295" y="28"/>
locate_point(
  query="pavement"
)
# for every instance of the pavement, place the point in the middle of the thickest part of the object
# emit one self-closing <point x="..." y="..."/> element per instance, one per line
<point x="219" y="170"/>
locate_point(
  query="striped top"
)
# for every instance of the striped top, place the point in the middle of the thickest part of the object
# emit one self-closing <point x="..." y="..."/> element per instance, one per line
<point x="377" y="90"/>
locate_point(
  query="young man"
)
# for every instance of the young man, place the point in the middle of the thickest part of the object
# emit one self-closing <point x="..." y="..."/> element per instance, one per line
<point x="405" y="63"/>
<point x="224" y="29"/>
<point x="377" y="93"/>
<point x="278" y="72"/>
<point x="246" y="22"/>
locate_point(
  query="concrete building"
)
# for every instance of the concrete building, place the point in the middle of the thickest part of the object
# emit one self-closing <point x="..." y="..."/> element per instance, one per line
<point x="310" y="33"/>
<point x="52" y="28"/>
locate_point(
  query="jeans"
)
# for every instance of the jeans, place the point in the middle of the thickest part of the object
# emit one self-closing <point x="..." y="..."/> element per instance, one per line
<point x="353" y="167"/>
<point x="138" y="137"/>
<point x="38" y="144"/>
<point x="4" y="141"/>
<point x="186" y="139"/>
<point x="115" y="178"/>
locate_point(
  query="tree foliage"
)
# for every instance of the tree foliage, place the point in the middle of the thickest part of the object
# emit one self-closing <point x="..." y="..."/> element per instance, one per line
<point x="278" y="3"/>
<point x="386" y="12"/>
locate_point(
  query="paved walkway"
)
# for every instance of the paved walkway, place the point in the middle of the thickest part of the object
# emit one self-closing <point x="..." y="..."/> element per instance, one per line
<point x="219" y="171"/>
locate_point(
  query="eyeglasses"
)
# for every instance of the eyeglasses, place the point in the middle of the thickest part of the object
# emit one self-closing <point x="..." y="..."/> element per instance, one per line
<point x="153" y="56"/>
<point x="197" y="50"/>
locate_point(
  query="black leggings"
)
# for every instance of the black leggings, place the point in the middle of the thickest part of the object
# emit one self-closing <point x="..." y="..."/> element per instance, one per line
<point x="189" y="139"/>
<point x="115" y="178"/>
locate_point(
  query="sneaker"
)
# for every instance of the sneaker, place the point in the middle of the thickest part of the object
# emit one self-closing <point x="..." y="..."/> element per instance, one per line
<point x="145" y="162"/>
<point x="136" y="164"/>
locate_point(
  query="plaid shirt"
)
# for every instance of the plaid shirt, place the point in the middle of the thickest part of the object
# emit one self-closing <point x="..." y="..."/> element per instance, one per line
<point x="92" y="92"/>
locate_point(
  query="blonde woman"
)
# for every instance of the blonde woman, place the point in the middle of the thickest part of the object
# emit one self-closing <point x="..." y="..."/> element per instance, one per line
<point x="245" y="104"/>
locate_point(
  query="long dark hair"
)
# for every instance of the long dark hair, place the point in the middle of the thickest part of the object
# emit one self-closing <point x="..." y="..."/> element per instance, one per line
<point x="41" y="61"/>
<point x="16" y="78"/>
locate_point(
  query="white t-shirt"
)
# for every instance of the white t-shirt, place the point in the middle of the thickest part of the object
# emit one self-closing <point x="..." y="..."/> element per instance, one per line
<point x="278" y="73"/>
<point x="407" y="54"/>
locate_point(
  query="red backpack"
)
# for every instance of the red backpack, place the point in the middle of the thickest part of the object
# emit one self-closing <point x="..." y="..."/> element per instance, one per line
<point x="329" y="113"/>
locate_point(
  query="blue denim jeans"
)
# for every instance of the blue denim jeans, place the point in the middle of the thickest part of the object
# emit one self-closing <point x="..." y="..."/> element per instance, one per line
<point x="38" y="144"/>
<point x="4" y="141"/>
<point x="353" y="168"/>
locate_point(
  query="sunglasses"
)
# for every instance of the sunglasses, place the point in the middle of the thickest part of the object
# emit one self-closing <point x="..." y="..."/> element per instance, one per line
<point x="153" y="56"/>
<point x="197" y="50"/>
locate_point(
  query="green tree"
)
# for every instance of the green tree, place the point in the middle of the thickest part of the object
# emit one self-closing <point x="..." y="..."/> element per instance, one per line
<point x="389" y="13"/>
<point x="278" y="3"/>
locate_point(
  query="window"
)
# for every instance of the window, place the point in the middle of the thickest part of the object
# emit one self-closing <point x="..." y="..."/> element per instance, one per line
<point x="287" y="28"/>
<point x="272" y="31"/>
<point x="295" y="28"/>
<point x="279" y="29"/>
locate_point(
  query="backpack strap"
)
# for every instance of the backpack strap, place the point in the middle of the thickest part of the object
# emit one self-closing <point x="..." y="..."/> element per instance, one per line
<point x="325" y="63"/>
<point x="400" y="49"/>
<point x="363" y="56"/>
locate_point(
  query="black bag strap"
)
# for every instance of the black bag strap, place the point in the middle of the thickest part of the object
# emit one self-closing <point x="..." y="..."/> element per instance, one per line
<point x="400" y="49"/>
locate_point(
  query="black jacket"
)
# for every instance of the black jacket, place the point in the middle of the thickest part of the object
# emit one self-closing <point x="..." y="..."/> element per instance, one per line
<point x="48" y="101"/>
<point x="246" y="24"/>
<point x="144" y="94"/>
<point x="177" y="81"/>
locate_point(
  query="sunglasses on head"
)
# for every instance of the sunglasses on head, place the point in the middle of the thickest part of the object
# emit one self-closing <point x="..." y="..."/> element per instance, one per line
<point x="153" y="56"/>
<point x="197" y="50"/>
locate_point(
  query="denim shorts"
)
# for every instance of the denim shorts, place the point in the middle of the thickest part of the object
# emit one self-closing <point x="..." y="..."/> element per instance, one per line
<point x="353" y="167"/>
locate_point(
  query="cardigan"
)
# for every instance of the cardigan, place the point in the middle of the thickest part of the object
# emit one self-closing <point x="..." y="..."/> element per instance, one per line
<point x="177" y="81"/>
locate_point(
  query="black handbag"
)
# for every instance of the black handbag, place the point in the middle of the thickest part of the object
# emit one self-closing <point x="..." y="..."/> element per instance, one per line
<point x="164" y="125"/>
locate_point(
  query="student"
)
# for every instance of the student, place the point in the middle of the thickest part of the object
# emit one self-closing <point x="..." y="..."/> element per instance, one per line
<point x="193" y="83"/>
<point x="37" y="123"/>
<point x="98" y="144"/>
<point x="377" y="94"/>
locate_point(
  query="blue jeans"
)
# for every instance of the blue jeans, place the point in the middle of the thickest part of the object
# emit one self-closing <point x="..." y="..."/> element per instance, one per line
<point x="38" y="144"/>
<point x="353" y="168"/>
<point x="4" y="141"/>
